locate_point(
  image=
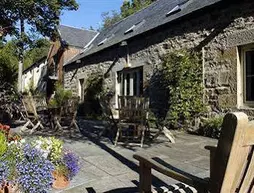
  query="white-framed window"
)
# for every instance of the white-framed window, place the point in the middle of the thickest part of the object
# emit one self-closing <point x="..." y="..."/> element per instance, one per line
<point x="130" y="82"/>
<point x="248" y="74"/>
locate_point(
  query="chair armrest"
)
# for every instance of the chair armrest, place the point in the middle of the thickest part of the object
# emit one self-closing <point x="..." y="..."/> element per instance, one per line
<point x="179" y="175"/>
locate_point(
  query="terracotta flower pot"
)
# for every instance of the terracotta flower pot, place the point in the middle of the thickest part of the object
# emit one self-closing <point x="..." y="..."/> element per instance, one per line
<point x="7" y="188"/>
<point x="60" y="181"/>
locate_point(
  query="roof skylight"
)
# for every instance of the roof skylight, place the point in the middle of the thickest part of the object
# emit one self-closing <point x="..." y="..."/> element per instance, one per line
<point x="176" y="9"/>
<point x="131" y="29"/>
<point x="102" y="42"/>
<point x="106" y="39"/>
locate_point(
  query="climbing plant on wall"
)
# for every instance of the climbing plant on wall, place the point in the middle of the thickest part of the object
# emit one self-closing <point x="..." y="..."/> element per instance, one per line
<point x="182" y="71"/>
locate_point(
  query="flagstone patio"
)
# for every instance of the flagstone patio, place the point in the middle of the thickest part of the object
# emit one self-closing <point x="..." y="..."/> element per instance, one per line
<point x="106" y="168"/>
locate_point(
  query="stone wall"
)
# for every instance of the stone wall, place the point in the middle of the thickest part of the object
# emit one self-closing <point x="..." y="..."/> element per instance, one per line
<point x="217" y="33"/>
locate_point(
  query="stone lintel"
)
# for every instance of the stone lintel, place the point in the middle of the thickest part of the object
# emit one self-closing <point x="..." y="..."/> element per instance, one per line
<point x="241" y="38"/>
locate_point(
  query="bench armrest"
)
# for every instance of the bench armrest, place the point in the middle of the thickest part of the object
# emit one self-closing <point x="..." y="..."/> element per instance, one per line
<point x="212" y="150"/>
<point x="194" y="181"/>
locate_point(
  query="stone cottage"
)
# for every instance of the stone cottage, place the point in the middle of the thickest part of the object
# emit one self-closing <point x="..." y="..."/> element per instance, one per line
<point x="69" y="42"/>
<point x="130" y="51"/>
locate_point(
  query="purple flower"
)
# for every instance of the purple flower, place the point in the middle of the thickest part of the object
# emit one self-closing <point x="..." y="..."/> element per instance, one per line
<point x="34" y="171"/>
<point x="71" y="162"/>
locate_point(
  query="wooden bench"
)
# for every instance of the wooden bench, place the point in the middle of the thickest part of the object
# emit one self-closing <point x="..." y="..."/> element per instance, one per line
<point x="232" y="162"/>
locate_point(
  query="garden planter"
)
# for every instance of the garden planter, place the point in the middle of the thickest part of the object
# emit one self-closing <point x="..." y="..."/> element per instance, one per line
<point x="60" y="181"/>
<point x="6" y="188"/>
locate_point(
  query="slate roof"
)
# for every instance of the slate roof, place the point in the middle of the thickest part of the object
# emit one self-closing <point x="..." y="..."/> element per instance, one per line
<point x="76" y="37"/>
<point x="150" y="17"/>
<point x="37" y="63"/>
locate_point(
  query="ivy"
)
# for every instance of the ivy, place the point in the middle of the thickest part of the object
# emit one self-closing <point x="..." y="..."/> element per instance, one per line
<point x="182" y="72"/>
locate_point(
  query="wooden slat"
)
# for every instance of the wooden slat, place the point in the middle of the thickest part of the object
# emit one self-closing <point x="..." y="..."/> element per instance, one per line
<point x="249" y="134"/>
<point x="232" y="167"/>
<point x="249" y="177"/>
<point x="145" y="179"/>
<point x="29" y="105"/>
<point x="229" y="156"/>
<point x="185" y="178"/>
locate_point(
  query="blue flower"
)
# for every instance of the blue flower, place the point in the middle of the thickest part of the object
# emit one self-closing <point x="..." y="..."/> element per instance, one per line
<point x="4" y="171"/>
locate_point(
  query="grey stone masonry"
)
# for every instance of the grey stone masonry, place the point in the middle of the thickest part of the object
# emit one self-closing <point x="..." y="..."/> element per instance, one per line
<point x="218" y="33"/>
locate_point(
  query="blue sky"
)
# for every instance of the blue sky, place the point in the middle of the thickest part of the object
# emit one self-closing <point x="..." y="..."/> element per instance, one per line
<point x="89" y="13"/>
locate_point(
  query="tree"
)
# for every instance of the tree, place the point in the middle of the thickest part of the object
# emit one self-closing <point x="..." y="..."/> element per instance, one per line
<point x="6" y="21"/>
<point x="110" y="18"/>
<point x="129" y="7"/>
<point x="8" y="63"/>
<point x="37" y="50"/>
<point x="40" y="16"/>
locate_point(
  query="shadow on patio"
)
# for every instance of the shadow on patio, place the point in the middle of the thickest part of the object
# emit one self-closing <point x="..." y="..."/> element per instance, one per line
<point x="106" y="168"/>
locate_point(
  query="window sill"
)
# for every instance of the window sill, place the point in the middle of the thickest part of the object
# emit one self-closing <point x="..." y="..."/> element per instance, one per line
<point x="251" y="107"/>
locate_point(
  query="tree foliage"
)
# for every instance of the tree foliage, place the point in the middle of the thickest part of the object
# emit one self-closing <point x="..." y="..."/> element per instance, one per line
<point x="8" y="63"/>
<point x="110" y="18"/>
<point x="9" y="58"/>
<point x="37" y="16"/>
<point x="41" y="16"/>
<point x="128" y="8"/>
<point x="37" y="50"/>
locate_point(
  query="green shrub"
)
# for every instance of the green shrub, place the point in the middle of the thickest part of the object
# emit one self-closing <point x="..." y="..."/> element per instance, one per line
<point x="60" y="97"/>
<point x="182" y="72"/>
<point x="211" y="127"/>
<point x="3" y="143"/>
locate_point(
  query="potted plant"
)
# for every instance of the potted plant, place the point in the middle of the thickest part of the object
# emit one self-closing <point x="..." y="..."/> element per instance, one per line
<point x="60" y="177"/>
<point x="66" y="169"/>
<point x="66" y="163"/>
<point x="35" y="166"/>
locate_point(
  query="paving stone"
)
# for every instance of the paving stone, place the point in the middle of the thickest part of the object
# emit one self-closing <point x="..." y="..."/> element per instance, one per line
<point x="200" y="162"/>
<point x="105" y="167"/>
<point x="94" y="172"/>
<point x="108" y="164"/>
<point x="128" y="177"/>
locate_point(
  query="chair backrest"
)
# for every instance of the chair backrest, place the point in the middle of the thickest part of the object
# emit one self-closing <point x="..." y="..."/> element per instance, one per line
<point x="105" y="107"/>
<point x="71" y="106"/>
<point x="40" y="103"/>
<point x="233" y="164"/>
<point x="29" y="105"/>
<point x="133" y="109"/>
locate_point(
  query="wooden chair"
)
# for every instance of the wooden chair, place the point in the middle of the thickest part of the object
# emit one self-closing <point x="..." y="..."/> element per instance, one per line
<point x="107" y="114"/>
<point x="40" y="103"/>
<point x="68" y="112"/>
<point x="133" y="111"/>
<point x="232" y="162"/>
<point x="32" y="116"/>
